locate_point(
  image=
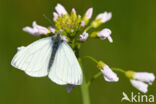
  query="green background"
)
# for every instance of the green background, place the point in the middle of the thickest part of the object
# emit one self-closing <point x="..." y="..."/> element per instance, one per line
<point x="133" y="30"/>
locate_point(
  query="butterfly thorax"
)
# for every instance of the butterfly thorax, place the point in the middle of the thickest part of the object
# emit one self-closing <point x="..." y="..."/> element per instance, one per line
<point x="56" y="41"/>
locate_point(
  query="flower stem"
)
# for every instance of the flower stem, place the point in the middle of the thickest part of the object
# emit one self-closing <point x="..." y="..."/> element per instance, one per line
<point x="93" y="59"/>
<point x="93" y="78"/>
<point x="85" y="92"/>
<point x="89" y="27"/>
<point x="119" y="70"/>
<point x="84" y="88"/>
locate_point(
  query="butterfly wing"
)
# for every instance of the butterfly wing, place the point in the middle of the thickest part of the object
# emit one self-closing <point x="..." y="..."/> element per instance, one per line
<point x="34" y="58"/>
<point x="66" y="67"/>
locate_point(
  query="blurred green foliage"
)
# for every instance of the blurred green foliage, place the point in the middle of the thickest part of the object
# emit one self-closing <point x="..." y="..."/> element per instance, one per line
<point x="134" y="32"/>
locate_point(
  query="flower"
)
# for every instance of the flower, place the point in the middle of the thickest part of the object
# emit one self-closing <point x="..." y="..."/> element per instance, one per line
<point x="108" y="74"/>
<point x="101" y="18"/>
<point x="20" y="48"/>
<point x="70" y="87"/>
<point x="144" y="77"/>
<point x="140" y="80"/>
<point x="55" y="16"/>
<point x="105" y="33"/>
<point x="88" y="14"/>
<point x="84" y="36"/>
<point x="104" y="17"/>
<point x="141" y="86"/>
<point x="37" y="30"/>
<point x="60" y="9"/>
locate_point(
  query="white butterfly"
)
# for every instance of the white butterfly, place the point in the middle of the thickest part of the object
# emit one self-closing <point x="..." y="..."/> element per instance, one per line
<point x="49" y="56"/>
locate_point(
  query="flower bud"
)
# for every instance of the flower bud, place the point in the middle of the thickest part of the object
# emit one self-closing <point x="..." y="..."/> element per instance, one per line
<point x="60" y="9"/>
<point x="88" y="14"/>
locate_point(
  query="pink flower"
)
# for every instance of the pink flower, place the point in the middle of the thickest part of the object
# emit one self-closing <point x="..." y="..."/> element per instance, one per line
<point x="109" y="75"/>
<point x="37" y="30"/>
<point x="105" y="33"/>
<point x="104" y="17"/>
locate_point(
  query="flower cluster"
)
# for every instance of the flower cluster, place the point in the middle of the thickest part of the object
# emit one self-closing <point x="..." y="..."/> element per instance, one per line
<point x="74" y="27"/>
<point x="139" y="80"/>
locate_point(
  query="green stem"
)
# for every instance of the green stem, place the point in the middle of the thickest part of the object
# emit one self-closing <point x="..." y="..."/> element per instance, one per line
<point x="84" y="89"/>
<point x="93" y="78"/>
<point x="119" y="70"/>
<point x="93" y="59"/>
<point x="89" y="27"/>
<point x="85" y="92"/>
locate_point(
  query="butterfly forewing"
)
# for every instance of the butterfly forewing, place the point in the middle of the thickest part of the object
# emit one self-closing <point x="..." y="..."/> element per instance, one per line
<point x="34" y="58"/>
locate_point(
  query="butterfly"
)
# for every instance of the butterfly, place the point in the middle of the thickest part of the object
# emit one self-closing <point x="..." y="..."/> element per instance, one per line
<point x="50" y="57"/>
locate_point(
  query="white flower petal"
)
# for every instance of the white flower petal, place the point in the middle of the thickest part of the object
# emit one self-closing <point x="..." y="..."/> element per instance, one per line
<point x="109" y="75"/>
<point x="60" y="9"/>
<point x="52" y="30"/>
<point x="141" y="86"/>
<point x="55" y="16"/>
<point x="36" y="30"/>
<point x="40" y="29"/>
<point x="29" y="30"/>
<point x="144" y="77"/>
<point x="110" y="39"/>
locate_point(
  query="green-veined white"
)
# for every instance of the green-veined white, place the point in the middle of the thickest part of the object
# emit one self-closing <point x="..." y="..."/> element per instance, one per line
<point x="50" y="57"/>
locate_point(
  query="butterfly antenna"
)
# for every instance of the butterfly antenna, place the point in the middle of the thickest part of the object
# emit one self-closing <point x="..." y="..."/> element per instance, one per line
<point x="48" y="20"/>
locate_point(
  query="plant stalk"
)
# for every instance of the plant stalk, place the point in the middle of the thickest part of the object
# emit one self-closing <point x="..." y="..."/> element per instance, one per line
<point x="85" y="92"/>
<point x="84" y="89"/>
